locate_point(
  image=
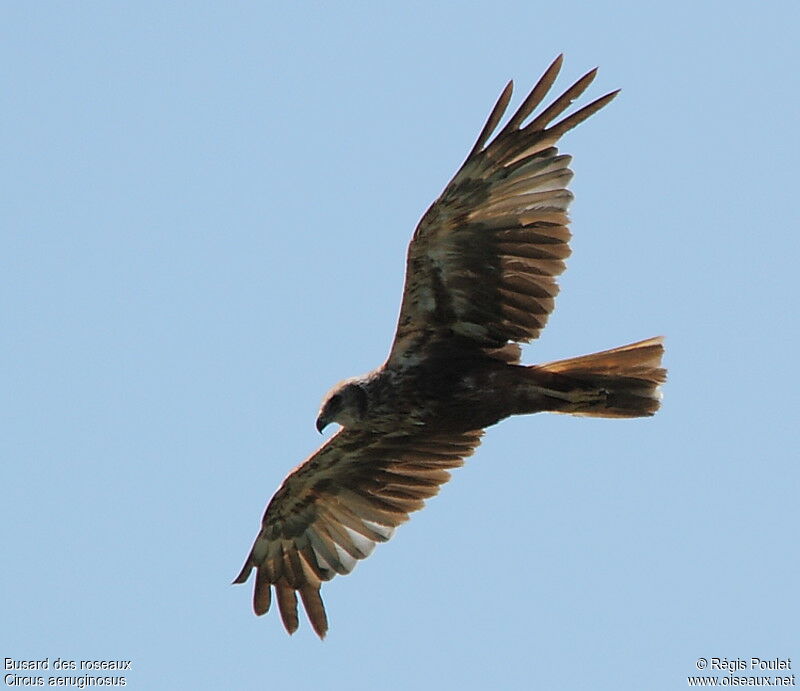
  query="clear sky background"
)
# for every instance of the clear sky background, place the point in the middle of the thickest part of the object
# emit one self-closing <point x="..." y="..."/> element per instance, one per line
<point x="205" y="209"/>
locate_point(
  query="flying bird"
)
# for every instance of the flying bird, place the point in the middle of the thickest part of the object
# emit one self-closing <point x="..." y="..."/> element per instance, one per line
<point x="480" y="280"/>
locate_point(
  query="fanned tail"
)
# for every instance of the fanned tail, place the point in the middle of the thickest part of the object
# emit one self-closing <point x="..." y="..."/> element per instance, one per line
<point x="622" y="382"/>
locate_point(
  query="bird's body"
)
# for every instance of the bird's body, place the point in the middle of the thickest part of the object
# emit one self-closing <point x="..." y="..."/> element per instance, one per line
<point x="480" y="279"/>
<point x="455" y="391"/>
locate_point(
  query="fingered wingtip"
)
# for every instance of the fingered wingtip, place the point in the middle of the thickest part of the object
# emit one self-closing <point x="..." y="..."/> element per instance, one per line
<point x="554" y="67"/>
<point x="494" y="118"/>
<point x="244" y="574"/>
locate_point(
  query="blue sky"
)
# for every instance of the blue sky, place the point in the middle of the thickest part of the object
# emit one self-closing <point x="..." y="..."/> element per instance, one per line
<point x="205" y="211"/>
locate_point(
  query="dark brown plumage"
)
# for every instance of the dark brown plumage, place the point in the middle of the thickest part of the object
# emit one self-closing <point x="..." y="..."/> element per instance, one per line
<point x="480" y="279"/>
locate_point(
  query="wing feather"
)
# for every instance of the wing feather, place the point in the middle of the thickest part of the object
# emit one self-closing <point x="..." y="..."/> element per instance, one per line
<point x="535" y="97"/>
<point x="484" y="259"/>
<point x="312" y="602"/>
<point x="262" y="593"/>
<point x="494" y="118"/>
<point x="287" y="605"/>
<point x="561" y="103"/>
<point x="333" y="509"/>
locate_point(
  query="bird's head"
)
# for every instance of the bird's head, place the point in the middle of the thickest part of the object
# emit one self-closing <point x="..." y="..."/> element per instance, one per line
<point x="345" y="403"/>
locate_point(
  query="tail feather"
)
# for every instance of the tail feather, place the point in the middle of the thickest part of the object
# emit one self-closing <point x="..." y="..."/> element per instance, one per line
<point x="622" y="382"/>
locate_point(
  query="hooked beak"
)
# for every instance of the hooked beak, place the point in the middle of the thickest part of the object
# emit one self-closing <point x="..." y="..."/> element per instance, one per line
<point x="322" y="423"/>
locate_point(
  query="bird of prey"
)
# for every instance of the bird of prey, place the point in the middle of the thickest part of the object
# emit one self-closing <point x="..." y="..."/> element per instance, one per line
<point x="480" y="279"/>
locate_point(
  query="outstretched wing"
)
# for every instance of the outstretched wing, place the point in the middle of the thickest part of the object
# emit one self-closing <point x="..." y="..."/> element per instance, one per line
<point x="333" y="509"/>
<point x="484" y="258"/>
